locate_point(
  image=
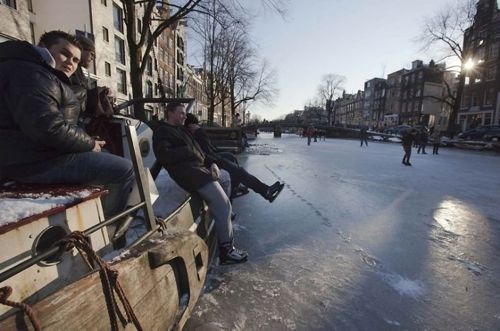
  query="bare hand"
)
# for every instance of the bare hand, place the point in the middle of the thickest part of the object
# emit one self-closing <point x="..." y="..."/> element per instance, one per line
<point x="193" y="127"/>
<point x="98" y="145"/>
<point x="214" y="169"/>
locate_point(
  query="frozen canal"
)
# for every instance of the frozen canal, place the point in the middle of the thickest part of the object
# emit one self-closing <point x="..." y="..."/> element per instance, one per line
<point x="358" y="241"/>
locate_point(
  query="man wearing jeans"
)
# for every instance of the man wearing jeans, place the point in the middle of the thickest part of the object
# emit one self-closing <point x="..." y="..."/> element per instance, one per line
<point x="40" y="141"/>
<point x="176" y="150"/>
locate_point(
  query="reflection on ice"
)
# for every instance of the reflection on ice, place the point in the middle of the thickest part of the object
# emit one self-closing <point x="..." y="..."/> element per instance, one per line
<point x="455" y="216"/>
<point x="405" y="286"/>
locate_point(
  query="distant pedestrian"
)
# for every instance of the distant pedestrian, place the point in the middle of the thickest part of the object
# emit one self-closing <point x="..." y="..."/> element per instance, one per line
<point x="363" y="136"/>
<point x="309" y="133"/>
<point x="407" y="141"/>
<point x="436" y="141"/>
<point x="424" y="138"/>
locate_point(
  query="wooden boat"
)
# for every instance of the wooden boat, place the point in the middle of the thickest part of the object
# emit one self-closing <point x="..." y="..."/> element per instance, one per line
<point x="161" y="273"/>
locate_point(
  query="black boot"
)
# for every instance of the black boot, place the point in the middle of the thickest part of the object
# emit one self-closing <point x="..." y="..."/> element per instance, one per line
<point x="273" y="191"/>
<point x="228" y="254"/>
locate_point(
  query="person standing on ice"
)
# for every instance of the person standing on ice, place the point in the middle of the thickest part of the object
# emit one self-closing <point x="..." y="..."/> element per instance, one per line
<point x="407" y="141"/>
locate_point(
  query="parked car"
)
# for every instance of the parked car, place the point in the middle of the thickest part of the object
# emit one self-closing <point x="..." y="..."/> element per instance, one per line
<point x="397" y="130"/>
<point x="492" y="135"/>
<point x="481" y="133"/>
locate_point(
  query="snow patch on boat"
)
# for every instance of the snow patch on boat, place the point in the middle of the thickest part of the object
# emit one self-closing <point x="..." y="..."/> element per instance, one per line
<point x="28" y="204"/>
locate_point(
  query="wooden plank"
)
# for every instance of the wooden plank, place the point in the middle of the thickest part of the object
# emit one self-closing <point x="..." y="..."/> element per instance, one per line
<point x="150" y="289"/>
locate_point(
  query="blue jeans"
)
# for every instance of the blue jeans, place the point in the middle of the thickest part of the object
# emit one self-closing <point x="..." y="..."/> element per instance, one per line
<point x="115" y="173"/>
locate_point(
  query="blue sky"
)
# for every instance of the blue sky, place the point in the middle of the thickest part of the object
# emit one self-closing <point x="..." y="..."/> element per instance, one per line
<point x="359" y="39"/>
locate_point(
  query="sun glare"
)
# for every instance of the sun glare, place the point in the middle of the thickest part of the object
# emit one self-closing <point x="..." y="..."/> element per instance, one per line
<point x="469" y="65"/>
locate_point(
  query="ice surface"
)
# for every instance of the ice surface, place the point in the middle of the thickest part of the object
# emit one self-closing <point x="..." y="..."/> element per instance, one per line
<point x="358" y="241"/>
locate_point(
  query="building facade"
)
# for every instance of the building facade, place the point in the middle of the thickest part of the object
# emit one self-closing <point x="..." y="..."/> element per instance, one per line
<point x="421" y="82"/>
<point x="374" y="102"/>
<point x="393" y="99"/>
<point x="480" y="104"/>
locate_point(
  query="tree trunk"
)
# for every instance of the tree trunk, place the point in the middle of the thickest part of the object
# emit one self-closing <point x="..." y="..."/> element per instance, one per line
<point x="452" y="126"/>
<point x="136" y="81"/>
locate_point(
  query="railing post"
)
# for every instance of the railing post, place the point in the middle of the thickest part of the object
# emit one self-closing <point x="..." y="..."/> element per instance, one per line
<point x="142" y="180"/>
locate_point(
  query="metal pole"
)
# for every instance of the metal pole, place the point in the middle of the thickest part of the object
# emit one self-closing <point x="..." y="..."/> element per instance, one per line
<point x="142" y="180"/>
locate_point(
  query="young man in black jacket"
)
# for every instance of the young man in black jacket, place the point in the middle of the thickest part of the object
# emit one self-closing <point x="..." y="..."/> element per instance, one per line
<point x="177" y="150"/>
<point x="238" y="174"/>
<point x="40" y="141"/>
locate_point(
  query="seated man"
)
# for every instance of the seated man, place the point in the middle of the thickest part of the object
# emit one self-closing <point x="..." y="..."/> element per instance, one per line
<point x="40" y="141"/>
<point x="177" y="151"/>
<point x="238" y="174"/>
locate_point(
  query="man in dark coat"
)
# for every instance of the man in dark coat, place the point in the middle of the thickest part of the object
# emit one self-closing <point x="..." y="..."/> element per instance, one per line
<point x="177" y="150"/>
<point x="237" y="173"/>
<point x="407" y="141"/>
<point x="40" y="141"/>
<point x="363" y="136"/>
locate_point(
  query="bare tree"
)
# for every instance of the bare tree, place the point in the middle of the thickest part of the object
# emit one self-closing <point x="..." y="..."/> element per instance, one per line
<point x="445" y="31"/>
<point x="234" y="75"/>
<point x="331" y="86"/>
<point x="155" y="17"/>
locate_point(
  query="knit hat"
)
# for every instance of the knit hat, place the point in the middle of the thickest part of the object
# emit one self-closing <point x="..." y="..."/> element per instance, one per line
<point x="87" y="43"/>
<point x="190" y="119"/>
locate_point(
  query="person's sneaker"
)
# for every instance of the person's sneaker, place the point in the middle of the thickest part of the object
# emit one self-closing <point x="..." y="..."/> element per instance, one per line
<point x="273" y="191"/>
<point x="408" y="164"/>
<point x="233" y="216"/>
<point x="228" y="254"/>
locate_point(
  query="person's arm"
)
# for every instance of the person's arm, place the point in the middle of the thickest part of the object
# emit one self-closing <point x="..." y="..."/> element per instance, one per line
<point x="36" y="109"/>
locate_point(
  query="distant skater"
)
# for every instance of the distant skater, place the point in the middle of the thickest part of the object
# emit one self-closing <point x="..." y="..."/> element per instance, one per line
<point x="363" y="136"/>
<point x="436" y="141"/>
<point x="309" y="133"/>
<point x="407" y="141"/>
<point x="422" y="143"/>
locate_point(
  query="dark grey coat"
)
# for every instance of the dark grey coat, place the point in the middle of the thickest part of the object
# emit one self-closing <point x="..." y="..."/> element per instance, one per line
<point x="177" y="151"/>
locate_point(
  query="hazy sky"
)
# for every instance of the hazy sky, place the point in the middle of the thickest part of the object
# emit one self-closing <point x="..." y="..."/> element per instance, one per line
<point x="359" y="39"/>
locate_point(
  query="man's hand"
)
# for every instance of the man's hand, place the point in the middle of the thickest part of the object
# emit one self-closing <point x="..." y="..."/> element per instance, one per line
<point x="214" y="169"/>
<point x="193" y="127"/>
<point x="98" y="145"/>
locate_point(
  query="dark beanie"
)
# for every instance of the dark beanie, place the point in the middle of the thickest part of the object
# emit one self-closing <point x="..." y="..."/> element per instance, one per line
<point x="190" y="119"/>
<point x="87" y="43"/>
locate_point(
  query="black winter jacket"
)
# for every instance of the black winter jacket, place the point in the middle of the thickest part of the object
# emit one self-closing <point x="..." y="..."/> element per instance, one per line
<point x="176" y="150"/>
<point x="38" y="110"/>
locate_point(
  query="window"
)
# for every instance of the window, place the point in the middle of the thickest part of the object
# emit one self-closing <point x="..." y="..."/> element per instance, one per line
<point x="122" y="81"/>
<point x="488" y="97"/>
<point x="32" y="32"/>
<point x="149" y="89"/>
<point x="117" y="17"/>
<point x="119" y="50"/>
<point x="149" y="66"/>
<point x="494" y="50"/>
<point x="465" y="101"/>
<point x="473" y="100"/>
<point x="139" y="26"/>
<point x="105" y="34"/>
<point x="10" y="3"/>
<point x="491" y="73"/>
<point x="104" y="2"/>
<point x="30" y="5"/>
<point x="487" y="119"/>
<point x="107" y="68"/>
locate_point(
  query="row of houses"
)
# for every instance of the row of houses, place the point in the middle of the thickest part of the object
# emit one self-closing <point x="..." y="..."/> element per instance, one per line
<point x="424" y="93"/>
<point x="413" y="96"/>
<point x="167" y="72"/>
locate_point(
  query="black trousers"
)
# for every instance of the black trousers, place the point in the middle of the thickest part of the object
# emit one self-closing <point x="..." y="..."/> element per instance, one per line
<point x="240" y="175"/>
<point x="406" y="157"/>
